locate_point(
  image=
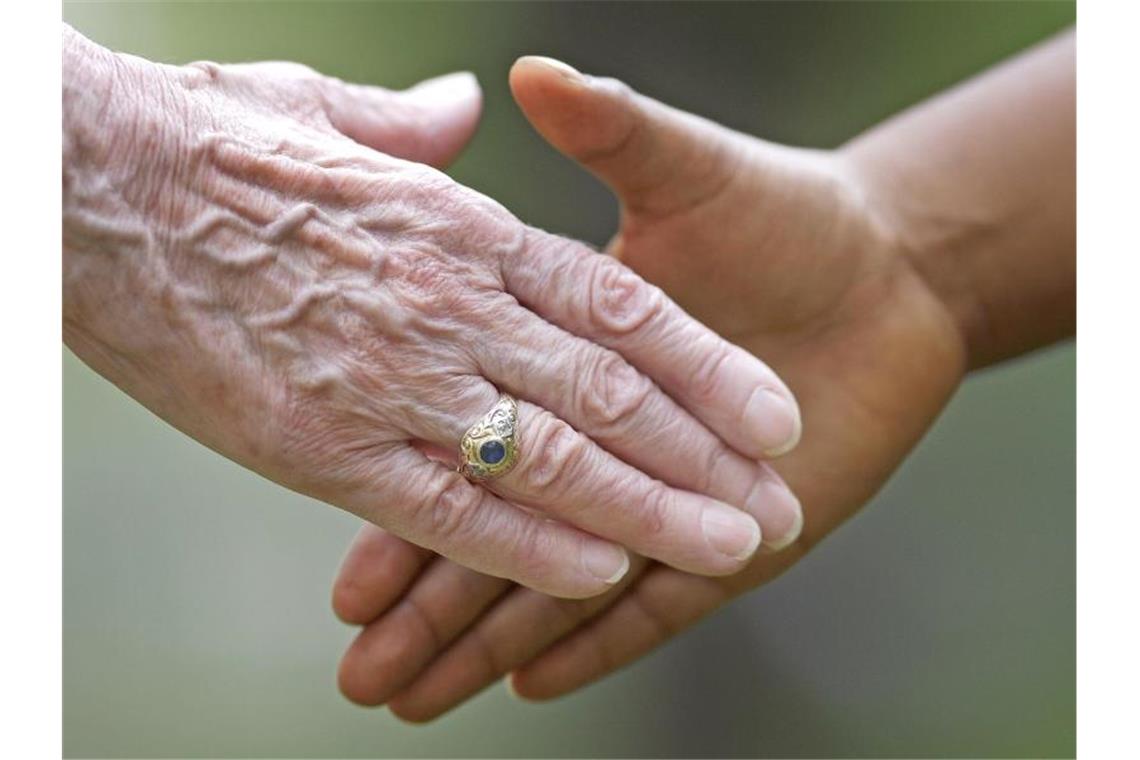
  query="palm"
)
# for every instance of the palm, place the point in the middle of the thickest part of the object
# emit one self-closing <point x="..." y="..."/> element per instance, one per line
<point x="793" y="269"/>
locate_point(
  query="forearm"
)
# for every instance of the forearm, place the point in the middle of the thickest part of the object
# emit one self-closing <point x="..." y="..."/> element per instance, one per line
<point x="979" y="186"/>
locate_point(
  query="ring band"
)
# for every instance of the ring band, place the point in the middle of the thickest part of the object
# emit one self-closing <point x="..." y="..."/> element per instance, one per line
<point x="489" y="448"/>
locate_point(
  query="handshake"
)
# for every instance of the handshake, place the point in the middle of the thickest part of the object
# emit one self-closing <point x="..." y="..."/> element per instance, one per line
<point x="563" y="457"/>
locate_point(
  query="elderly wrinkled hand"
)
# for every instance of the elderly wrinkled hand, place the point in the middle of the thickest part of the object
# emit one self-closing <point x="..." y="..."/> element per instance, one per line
<point x="241" y="258"/>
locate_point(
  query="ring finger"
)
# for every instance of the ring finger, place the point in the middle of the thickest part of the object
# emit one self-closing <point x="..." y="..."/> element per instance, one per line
<point x="563" y="473"/>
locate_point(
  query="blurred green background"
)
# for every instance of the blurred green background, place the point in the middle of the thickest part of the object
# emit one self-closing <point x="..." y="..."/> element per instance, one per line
<point x="941" y="621"/>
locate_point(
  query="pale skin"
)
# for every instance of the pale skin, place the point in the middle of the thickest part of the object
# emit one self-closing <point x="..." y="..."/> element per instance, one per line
<point x="873" y="277"/>
<point x="262" y="256"/>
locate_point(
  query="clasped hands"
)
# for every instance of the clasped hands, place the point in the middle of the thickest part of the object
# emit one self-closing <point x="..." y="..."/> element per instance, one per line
<point x="778" y="251"/>
<point x="295" y="287"/>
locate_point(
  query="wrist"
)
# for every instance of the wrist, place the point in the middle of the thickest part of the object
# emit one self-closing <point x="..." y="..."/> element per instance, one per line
<point x="119" y="115"/>
<point x="922" y="240"/>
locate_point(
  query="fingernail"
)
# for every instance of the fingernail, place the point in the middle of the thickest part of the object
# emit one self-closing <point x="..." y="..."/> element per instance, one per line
<point x="774" y="420"/>
<point x="606" y="562"/>
<point x="730" y="532"/>
<point x="778" y="509"/>
<point x="792" y="533"/>
<point x="445" y="89"/>
<point x="509" y="682"/>
<point x="562" y="68"/>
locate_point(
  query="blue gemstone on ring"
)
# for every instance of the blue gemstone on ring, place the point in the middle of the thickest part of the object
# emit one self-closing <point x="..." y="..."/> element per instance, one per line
<point x="492" y="452"/>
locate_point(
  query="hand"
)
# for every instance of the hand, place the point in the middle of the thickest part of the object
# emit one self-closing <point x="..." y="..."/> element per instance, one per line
<point x="778" y="249"/>
<point x="241" y="260"/>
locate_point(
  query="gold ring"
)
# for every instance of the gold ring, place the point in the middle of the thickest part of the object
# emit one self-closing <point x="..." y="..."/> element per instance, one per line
<point x="490" y="447"/>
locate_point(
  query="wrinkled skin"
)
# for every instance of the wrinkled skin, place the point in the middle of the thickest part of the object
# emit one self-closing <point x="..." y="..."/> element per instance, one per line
<point x="779" y="250"/>
<point x="243" y="260"/>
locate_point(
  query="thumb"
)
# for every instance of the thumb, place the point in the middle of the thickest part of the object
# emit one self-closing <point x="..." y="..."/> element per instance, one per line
<point x="657" y="159"/>
<point x="429" y="123"/>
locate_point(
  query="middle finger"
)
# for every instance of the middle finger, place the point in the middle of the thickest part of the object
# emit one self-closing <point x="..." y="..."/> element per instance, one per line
<point x="599" y="393"/>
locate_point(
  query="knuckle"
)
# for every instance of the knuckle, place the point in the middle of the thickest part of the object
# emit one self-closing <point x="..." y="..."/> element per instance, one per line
<point x="425" y="621"/>
<point x="653" y="516"/>
<point x="716" y="461"/>
<point x="204" y="73"/>
<point x="705" y="382"/>
<point x="620" y="301"/>
<point x="557" y="457"/>
<point x="613" y="393"/>
<point x="489" y="231"/>
<point x="451" y="507"/>
<point x="531" y="553"/>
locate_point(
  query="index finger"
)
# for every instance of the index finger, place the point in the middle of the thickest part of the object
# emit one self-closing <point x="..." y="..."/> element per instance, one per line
<point x="597" y="297"/>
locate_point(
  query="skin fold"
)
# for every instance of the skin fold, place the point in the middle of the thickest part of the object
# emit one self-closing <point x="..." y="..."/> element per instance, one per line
<point x="873" y="278"/>
<point x="263" y="257"/>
